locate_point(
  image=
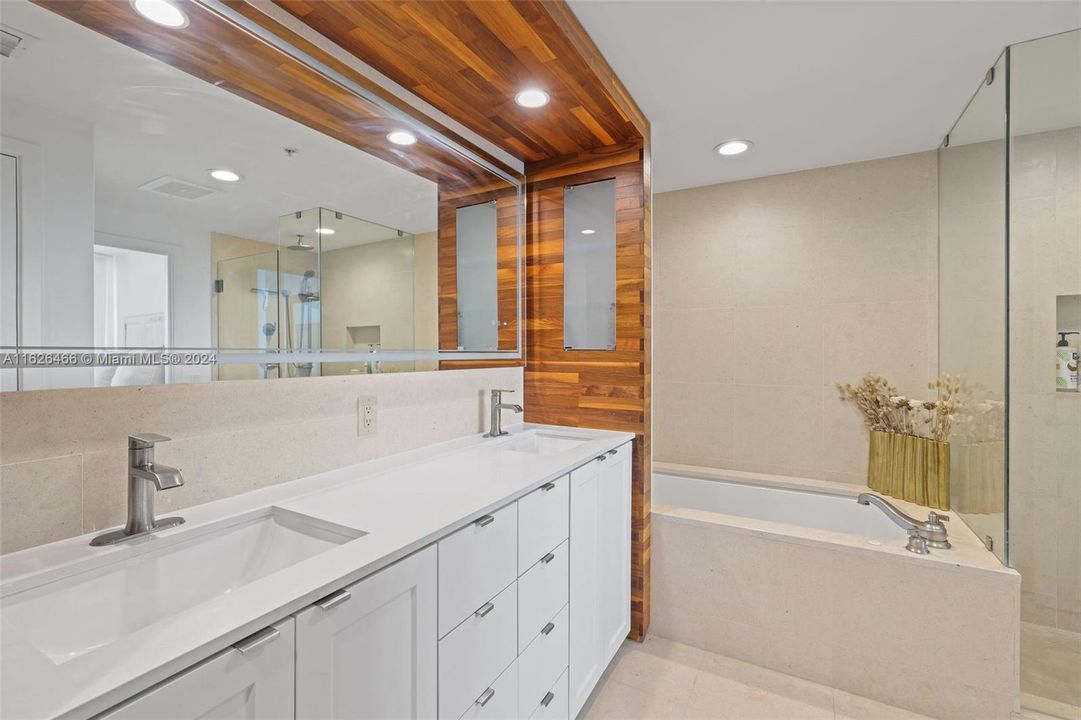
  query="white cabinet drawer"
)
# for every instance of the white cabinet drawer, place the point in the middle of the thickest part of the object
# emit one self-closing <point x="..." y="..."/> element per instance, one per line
<point x="499" y="701"/>
<point x="553" y="706"/>
<point x="541" y="664"/>
<point x="477" y="651"/>
<point x="543" y="521"/>
<point x="475" y="563"/>
<point x="252" y="679"/>
<point x="542" y="591"/>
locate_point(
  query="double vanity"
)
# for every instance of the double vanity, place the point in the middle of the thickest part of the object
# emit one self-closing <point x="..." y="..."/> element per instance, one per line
<point x="479" y="578"/>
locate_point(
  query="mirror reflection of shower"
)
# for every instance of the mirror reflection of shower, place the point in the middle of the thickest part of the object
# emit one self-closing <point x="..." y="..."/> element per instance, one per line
<point x="270" y="293"/>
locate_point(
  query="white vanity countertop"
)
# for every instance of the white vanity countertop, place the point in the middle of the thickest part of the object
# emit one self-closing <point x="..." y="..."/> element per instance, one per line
<point x="402" y="503"/>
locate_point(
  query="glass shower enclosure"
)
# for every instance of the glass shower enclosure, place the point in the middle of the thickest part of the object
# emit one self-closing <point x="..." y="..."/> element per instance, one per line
<point x="1009" y="299"/>
<point x="328" y="282"/>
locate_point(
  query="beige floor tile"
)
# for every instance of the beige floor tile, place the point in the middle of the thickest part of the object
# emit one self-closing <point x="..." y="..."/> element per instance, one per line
<point x="1051" y="664"/>
<point x="664" y="668"/>
<point x="665" y="680"/>
<point x="847" y="706"/>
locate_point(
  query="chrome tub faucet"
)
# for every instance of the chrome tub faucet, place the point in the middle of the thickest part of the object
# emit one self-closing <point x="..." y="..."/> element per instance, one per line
<point x="495" y="426"/>
<point x="922" y="534"/>
<point x="145" y="477"/>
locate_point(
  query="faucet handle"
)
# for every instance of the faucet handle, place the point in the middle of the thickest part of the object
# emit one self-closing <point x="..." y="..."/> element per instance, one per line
<point x="502" y="391"/>
<point x="145" y="440"/>
<point x="933" y="517"/>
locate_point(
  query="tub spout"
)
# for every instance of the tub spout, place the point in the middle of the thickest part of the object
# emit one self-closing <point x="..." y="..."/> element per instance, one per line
<point x="932" y="530"/>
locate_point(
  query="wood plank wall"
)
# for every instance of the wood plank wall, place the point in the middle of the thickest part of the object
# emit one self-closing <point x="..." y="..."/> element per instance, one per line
<point x="585" y="388"/>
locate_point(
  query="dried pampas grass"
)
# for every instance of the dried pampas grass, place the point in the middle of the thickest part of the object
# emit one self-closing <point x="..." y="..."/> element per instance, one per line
<point x="886" y="410"/>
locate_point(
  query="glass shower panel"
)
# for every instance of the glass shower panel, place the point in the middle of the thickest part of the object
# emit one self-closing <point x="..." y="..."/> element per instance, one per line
<point x="1045" y="420"/>
<point x="972" y="304"/>
<point x="247" y="311"/>
<point x="299" y="238"/>
<point x="368" y="290"/>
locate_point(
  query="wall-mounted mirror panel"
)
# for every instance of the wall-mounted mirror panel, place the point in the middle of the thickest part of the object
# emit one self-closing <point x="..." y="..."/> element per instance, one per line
<point x="589" y="266"/>
<point x="145" y="207"/>
<point x="478" y="321"/>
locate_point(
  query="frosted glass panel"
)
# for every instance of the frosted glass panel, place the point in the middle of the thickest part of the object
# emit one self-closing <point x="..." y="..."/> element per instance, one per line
<point x="589" y="266"/>
<point x="478" y="302"/>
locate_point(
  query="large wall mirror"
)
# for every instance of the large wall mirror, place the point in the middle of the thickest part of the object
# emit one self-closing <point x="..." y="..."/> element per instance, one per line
<point x="268" y="229"/>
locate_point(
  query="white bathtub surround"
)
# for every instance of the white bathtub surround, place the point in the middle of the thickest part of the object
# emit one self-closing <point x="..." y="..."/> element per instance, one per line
<point x="402" y="503"/>
<point x="664" y="679"/>
<point x="64" y="452"/>
<point x="936" y="634"/>
<point x="769" y="291"/>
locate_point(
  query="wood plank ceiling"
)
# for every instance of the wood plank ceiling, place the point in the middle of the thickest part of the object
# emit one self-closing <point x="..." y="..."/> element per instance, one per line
<point x="470" y="58"/>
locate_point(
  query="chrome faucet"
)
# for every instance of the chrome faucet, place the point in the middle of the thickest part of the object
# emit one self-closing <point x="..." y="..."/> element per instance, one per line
<point x="921" y="534"/>
<point x="145" y="477"/>
<point x="495" y="427"/>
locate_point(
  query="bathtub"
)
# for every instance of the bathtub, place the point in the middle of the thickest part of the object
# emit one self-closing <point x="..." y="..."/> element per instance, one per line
<point x="794" y="575"/>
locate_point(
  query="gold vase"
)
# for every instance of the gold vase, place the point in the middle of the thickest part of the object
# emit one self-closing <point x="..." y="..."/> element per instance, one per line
<point x="910" y="468"/>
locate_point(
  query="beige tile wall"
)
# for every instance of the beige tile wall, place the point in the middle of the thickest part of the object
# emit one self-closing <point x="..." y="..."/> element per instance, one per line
<point x="769" y="291"/>
<point x="63" y="453"/>
<point x="941" y="640"/>
<point x="1045" y="426"/>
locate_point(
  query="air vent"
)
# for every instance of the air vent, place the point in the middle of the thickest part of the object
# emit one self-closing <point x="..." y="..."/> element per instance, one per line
<point x="175" y="187"/>
<point x="14" y="42"/>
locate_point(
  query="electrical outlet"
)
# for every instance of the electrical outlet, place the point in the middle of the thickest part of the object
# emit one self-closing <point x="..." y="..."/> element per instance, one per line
<point x="366" y="415"/>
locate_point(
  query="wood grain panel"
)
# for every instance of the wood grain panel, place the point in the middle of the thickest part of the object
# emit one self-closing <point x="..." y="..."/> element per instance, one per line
<point x="470" y="57"/>
<point x="593" y="388"/>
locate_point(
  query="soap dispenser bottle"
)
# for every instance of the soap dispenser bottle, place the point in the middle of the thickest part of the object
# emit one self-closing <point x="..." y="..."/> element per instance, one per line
<point x="1066" y="360"/>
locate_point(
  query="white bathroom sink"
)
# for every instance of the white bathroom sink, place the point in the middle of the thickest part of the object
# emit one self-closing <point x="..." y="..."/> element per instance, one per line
<point x="542" y="443"/>
<point x="156" y="578"/>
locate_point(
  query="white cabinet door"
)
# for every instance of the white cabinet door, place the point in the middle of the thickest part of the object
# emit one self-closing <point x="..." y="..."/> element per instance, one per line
<point x="372" y="653"/>
<point x="256" y="682"/>
<point x="600" y="569"/>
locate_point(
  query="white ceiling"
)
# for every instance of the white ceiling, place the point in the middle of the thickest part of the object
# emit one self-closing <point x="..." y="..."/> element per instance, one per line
<point x="813" y="84"/>
<point x="152" y="120"/>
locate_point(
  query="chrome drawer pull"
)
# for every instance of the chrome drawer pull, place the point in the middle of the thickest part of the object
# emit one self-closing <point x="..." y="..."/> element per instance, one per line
<point x="333" y="600"/>
<point x="548" y="558"/>
<point x="484" y="520"/>
<point x="548" y="486"/>
<point x="485" y="609"/>
<point x="548" y="628"/>
<point x="548" y="698"/>
<point x="260" y="638"/>
<point x="611" y="453"/>
<point x="600" y="458"/>
<point x="485" y="697"/>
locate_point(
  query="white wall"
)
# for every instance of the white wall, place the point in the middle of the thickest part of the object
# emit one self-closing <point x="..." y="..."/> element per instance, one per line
<point x="769" y="291"/>
<point x="58" y="232"/>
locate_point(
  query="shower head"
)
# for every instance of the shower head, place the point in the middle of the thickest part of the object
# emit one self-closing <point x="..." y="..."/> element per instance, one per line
<point x="301" y="245"/>
<point x="269" y="329"/>
<point x="309" y="273"/>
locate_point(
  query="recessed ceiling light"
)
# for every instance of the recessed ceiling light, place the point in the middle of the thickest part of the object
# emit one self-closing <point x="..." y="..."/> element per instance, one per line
<point x="162" y="12"/>
<point x="588" y="231"/>
<point x="401" y="137"/>
<point x="224" y="175"/>
<point x="324" y="231"/>
<point x="532" y="98"/>
<point x="733" y="147"/>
